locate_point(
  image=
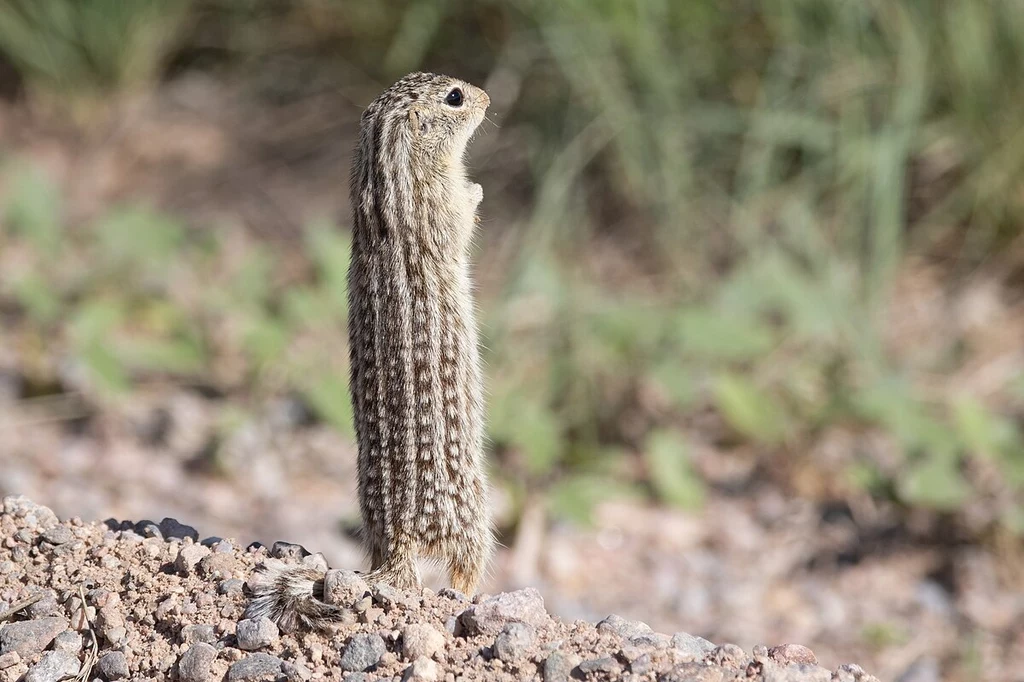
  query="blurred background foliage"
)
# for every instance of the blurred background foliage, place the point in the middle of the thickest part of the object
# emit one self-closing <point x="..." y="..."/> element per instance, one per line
<point x="706" y="218"/>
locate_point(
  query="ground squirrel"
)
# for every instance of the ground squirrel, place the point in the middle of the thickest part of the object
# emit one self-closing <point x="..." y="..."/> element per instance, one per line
<point x="415" y="374"/>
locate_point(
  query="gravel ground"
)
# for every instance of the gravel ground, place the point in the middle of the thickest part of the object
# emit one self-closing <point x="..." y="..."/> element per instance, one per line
<point x="121" y="600"/>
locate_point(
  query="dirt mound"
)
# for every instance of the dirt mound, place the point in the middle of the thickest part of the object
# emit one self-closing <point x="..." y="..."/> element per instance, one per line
<point x="122" y="600"/>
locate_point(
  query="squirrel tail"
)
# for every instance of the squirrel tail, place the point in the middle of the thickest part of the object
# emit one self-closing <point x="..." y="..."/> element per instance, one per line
<point x="291" y="596"/>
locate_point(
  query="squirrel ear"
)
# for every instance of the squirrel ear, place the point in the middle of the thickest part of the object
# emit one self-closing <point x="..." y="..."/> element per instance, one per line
<point x="419" y="120"/>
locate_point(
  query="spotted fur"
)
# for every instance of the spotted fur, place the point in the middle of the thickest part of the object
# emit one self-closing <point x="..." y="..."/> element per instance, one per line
<point x="415" y="370"/>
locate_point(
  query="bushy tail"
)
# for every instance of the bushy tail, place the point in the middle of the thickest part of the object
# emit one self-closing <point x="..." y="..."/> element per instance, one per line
<point x="291" y="596"/>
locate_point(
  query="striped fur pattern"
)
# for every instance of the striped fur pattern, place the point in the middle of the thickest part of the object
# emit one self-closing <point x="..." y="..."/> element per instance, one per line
<point x="415" y="369"/>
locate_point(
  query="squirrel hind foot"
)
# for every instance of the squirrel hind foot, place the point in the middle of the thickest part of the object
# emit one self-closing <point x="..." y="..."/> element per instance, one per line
<point x="287" y="595"/>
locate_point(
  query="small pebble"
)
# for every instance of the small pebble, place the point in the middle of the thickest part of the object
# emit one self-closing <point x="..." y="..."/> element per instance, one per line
<point x="53" y="666"/>
<point x="492" y="613"/>
<point x="605" y="664"/>
<point x="256" y="634"/>
<point x="189" y="556"/>
<point x="624" y="628"/>
<point x="231" y="586"/>
<point x="559" y="666"/>
<point x="31" y="636"/>
<point x="362" y="652"/>
<point x="288" y="550"/>
<point x="201" y="632"/>
<point x="69" y="641"/>
<point x="420" y="640"/>
<point x="792" y="653"/>
<point x="344" y="588"/>
<point x="58" y="535"/>
<point x="170" y="528"/>
<point x="514" y="641"/>
<point x="254" y="667"/>
<point x="113" y="665"/>
<point x="422" y="670"/>
<point x="194" y="665"/>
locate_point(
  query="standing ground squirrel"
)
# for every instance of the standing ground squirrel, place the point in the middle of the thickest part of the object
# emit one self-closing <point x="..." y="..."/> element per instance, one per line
<point x="415" y="368"/>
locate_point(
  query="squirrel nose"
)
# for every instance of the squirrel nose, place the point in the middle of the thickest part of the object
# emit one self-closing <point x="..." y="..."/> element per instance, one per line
<point x="484" y="99"/>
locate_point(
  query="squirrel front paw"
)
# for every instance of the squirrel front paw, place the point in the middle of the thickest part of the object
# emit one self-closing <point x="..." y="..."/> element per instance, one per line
<point x="476" y="194"/>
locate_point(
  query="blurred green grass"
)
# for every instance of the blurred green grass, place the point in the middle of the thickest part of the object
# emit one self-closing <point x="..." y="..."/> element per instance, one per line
<point x="767" y="169"/>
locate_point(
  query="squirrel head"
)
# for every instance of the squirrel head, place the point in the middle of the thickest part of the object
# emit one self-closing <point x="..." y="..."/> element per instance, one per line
<point x="437" y="114"/>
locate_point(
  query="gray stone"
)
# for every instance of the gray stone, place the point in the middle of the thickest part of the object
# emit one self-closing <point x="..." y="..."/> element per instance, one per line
<point x="792" y="653"/>
<point x="652" y="640"/>
<point x="623" y="628"/>
<point x="421" y="640"/>
<point x="189" y="556"/>
<point x="31" y="636"/>
<point x="256" y="634"/>
<point x="69" y="641"/>
<point x="795" y="672"/>
<point x="58" y="535"/>
<point x="606" y="665"/>
<point x="693" y="671"/>
<point x="28" y="514"/>
<point x="317" y="561"/>
<point x="514" y="641"/>
<point x="148" y="529"/>
<point x="296" y="672"/>
<point x="53" y="666"/>
<point x="362" y="652"/>
<point x="231" y="586"/>
<point x="195" y="664"/>
<point x="46" y="606"/>
<point x="9" y="660"/>
<point x="727" y="654"/>
<point x="356" y="677"/>
<point x="848" y="672"/>
<point x="113" y="665"/>
<point x="492" y="614"/>
<point x="255" y="666"/>
<point x="455" y="595"/>
<point x="389" y="597"/>
<point x="558" y="666"/>
<point x="343" y="588"/>
<point x="697" y="647"/>
<point x="288" y="550"/>
<point x="171" y="528"/>
<point x="422" y="670"/>
<point x="201" y="632"/>
<point x="640" y="665"/>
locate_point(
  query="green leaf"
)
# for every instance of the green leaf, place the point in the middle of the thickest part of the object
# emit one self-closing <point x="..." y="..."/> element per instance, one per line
<point x="670" y="471"/>
<point x="718" y="336"/>
<point x="330" y="249"/>
<point x="310" y="308"/>
<point x="139" y="237"/>
<point x="983" y="432"/>
<point x="890" y="403"/>
<point x="265" y="338"/>
<point x="105" y="368"/>
<point x="530" y="427"/>
<point x="676" y="380"/>
<point x="174" y="356"/>
<point x="95" y="320"/>
<point x="935" y="482"/>
<point x="574" y="498"/>
<point x="37" y="296"/>
<point x="749" y="410"/>
<point x="34" y="209"/>
<point x="328" y="395"/>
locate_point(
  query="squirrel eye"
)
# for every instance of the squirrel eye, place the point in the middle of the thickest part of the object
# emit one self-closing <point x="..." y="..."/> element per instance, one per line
<point x="454" y="98"/>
